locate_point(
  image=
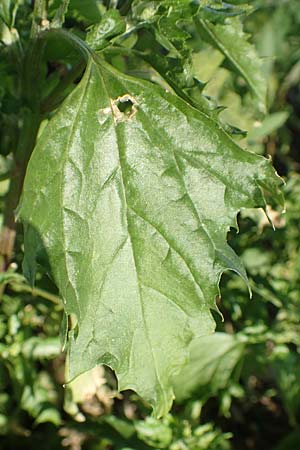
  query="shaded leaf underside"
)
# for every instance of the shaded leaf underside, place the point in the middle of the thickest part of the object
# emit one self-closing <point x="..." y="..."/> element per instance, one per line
<point x="132" y="209"/>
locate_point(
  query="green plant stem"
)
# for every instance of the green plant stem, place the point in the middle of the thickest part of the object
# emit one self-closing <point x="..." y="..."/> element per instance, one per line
<point x="39" y="15"/>
<point x="35" y="292"/>
<point x="30" y="119"/>
<point x="31" y="122"/>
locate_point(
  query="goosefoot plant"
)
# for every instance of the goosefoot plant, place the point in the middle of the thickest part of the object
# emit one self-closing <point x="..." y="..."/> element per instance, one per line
<point x="132" y="182"/>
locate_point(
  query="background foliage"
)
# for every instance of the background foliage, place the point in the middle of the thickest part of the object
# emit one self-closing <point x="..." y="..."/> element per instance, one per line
<point x="241" y="388"/>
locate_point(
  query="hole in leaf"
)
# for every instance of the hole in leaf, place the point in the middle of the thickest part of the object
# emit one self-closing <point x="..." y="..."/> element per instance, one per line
<point x="124" y="108"/>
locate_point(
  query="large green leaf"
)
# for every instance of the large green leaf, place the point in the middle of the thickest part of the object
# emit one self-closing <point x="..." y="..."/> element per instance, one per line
<point x="231" y="40"/>
<point x="130" y="192"/>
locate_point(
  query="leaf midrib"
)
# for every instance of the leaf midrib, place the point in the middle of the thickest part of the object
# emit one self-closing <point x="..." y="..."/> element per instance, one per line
<point x="115" y="127"/>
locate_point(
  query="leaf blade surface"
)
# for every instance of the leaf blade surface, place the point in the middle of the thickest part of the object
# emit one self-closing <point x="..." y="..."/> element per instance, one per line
<point x="129" y="195"/>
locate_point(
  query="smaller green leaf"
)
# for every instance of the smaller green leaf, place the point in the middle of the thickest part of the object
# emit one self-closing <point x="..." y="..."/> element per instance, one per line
<point x="286" y="368"/>
<point x="144" y="10"/>
<point x="212" y="361"/>
<point x="86" y="10"/>
<point x="206" y="63"/>
<point x="60" y="13"/>
<point x="48" y="415"/>
<point x="231" y="40"/>
<point x="167" y="25"/>
<point x="5" y="11"/>
<point x="166" y="18"/>
<point x="154" y="432"/>
<point x="38" y="348"/>
<point x="123" y="427"/>
<point x="110" y="26"/>
<point x="270" y="124"/>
